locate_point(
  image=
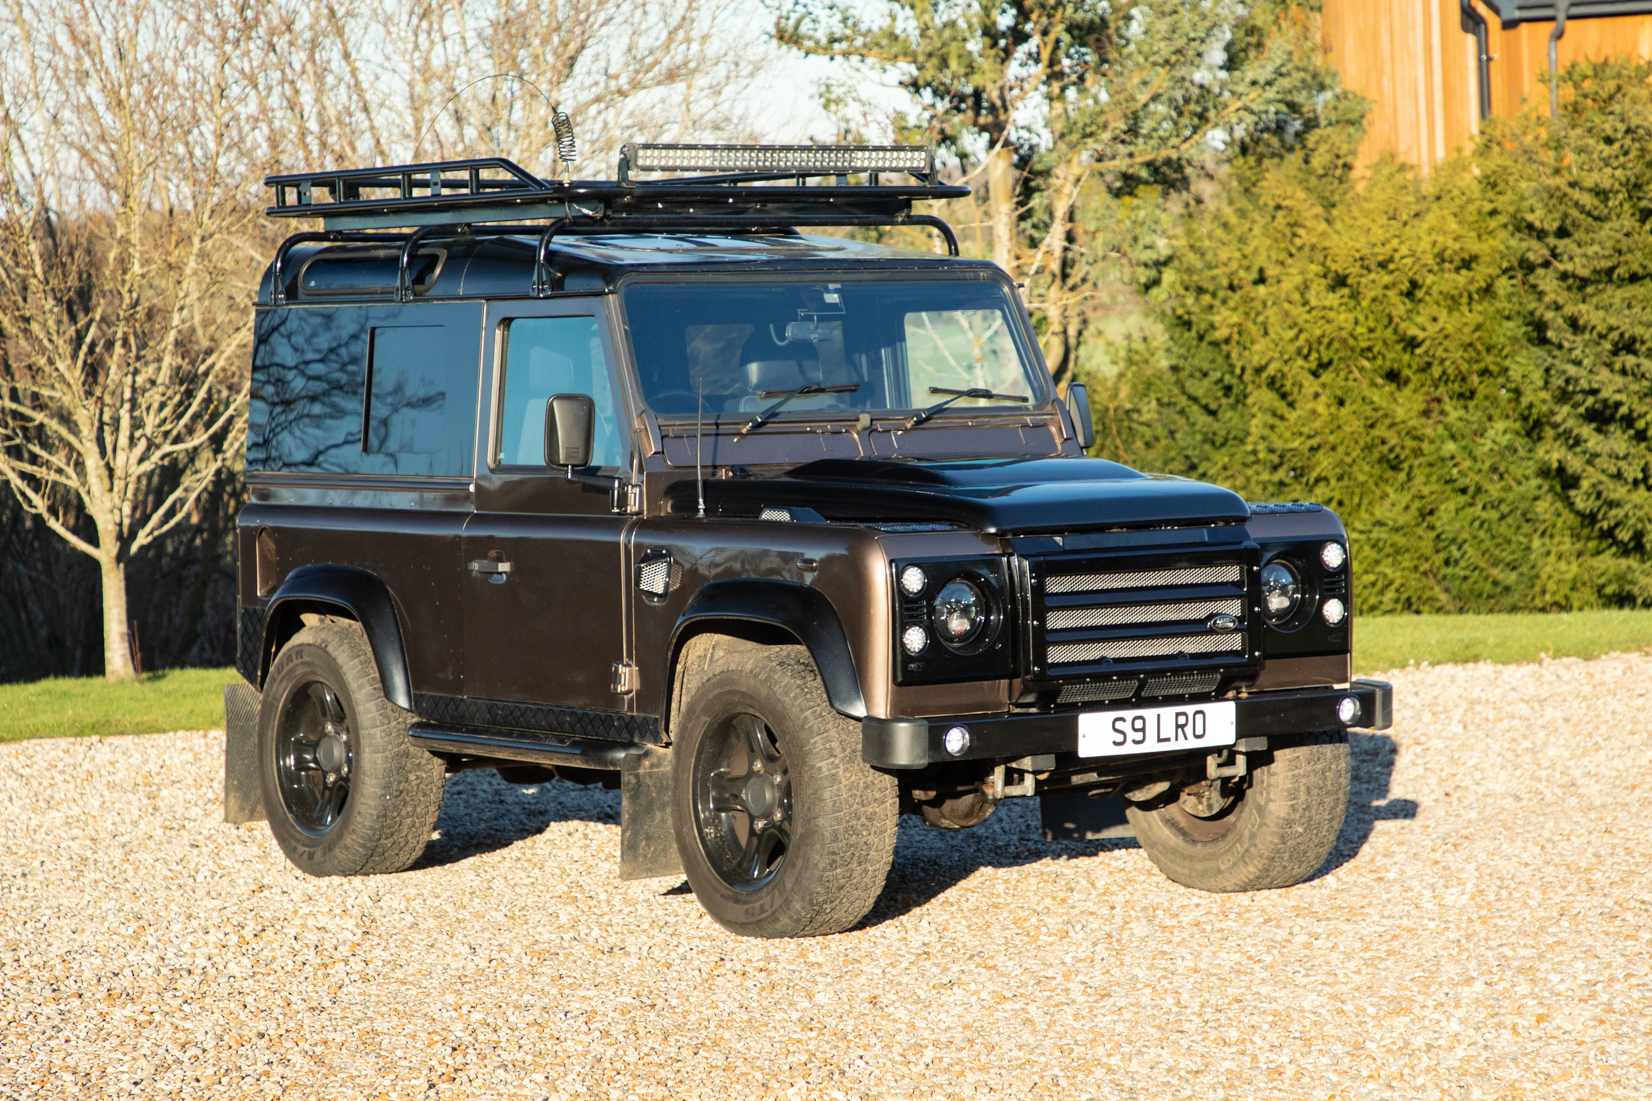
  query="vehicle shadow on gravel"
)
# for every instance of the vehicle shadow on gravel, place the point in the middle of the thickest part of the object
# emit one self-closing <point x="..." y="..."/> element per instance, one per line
<point x="1369" y="799"/>
<point x="481" y="813"/>
<point x="929" y="862"/>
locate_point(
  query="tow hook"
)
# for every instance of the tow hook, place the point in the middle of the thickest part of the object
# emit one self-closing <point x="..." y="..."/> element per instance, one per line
<point x="1225" y="764"/>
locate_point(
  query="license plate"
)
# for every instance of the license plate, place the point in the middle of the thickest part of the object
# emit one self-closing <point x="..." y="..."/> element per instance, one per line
<point x="1156" y="729"/>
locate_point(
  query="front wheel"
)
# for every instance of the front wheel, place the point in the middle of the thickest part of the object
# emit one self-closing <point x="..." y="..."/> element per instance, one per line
<point x="782" y="829"/>
<point x="1273" y="832"/>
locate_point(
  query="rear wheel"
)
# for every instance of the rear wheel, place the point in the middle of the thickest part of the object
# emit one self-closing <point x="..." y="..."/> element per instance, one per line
<point x="347" y="793"/>
<point x="783" y="831"/>
<point x="1274" y="831"/>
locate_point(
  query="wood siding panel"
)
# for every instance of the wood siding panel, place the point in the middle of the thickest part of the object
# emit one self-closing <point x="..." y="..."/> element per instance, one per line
<point x="1415" y="61"/>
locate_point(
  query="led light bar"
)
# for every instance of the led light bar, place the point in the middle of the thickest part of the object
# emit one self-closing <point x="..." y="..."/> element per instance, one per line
<point x="805" y="159"/>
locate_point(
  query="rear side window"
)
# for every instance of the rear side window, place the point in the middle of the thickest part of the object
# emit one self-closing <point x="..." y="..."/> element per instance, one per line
<point x="387" y="390"/>
<point x="554" y="355"/>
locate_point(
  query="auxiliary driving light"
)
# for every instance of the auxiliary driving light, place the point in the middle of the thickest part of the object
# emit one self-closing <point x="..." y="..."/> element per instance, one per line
<point x="1333" y="556"/>
<point x="914" y="639"/>
<point x="1348" y="710"/>
<point x="1334" y="612"/>
<point x="956" y="740"/>
<point x="913" y="580"/>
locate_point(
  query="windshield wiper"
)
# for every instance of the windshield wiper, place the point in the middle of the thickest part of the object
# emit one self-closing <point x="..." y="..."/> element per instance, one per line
<point x="787" y="395"/>
<point x="980" y="392"/>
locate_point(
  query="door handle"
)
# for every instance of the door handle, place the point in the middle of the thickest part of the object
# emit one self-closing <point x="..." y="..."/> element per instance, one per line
<point x="497" y="570"/>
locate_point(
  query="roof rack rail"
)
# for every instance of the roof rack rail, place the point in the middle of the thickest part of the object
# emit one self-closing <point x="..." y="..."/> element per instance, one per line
<point x="493" y="189"/>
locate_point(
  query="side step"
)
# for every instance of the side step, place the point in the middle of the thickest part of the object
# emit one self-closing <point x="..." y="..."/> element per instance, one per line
<point x="648" y="847"/>
<point x="523" y="745"/>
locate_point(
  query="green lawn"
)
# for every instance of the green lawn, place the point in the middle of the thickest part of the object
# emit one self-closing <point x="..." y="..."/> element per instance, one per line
<point x="68" y="707"/>
<point x="1393" y="642"/>
<point x="192" y="699"/>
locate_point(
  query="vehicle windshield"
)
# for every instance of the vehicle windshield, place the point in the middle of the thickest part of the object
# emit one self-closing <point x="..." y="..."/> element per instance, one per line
<point x="748" y="344"/>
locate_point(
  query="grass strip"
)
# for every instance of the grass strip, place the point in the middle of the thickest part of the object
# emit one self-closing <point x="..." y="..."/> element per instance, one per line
<point x="1396" y="641"/>
<point x="78" y="707"/>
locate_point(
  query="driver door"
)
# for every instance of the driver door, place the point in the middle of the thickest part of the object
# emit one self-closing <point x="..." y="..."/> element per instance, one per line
<point x="546" y="602"/>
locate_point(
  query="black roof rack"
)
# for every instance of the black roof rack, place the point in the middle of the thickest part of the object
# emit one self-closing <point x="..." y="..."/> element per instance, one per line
<point x="493" y="189"/>
<point x="458" y="196"/>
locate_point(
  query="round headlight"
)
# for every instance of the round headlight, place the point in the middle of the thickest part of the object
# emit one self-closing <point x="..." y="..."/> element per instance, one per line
<point x="960" y="614"/>
<point x="1281" y="592"/>
<point x="1333" y="611"/>
<point x="1333" y="556"/>
<point x="913" y="580"/>
<point x="913" y="639"/>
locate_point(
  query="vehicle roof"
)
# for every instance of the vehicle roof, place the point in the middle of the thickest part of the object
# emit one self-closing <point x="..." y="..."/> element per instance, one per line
<point x="502" y="265"/>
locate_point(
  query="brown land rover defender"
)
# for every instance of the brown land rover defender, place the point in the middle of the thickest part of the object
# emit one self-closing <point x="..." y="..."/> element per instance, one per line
<point x="783" y="535"/>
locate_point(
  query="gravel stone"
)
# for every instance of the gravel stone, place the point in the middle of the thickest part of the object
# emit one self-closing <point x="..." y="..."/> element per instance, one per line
<point x="1483" y="930"/>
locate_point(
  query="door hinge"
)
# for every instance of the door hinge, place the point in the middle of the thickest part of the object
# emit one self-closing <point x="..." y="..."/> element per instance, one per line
<point x="625" y="678"/>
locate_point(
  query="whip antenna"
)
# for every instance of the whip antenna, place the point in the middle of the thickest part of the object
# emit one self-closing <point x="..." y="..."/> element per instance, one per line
<point x="700" y="445"/>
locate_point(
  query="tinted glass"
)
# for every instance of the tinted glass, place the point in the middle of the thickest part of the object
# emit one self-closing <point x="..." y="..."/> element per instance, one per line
<point x="348" y="271"/>
<point x="313" y="394"/>
<point x="894" y="340"/>
<point x="554" y="355"/>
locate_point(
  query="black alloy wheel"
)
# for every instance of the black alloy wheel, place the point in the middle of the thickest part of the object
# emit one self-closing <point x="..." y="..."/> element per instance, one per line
<point x="743" y="801"/>
<point x="314" y="754"/>
<point x="782" y="829"/>
<point x="346" y="791"/>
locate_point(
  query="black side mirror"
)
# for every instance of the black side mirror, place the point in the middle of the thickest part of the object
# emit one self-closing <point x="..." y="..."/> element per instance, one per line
<point x="569" y="421"/>
<point x="1078" y="407"/>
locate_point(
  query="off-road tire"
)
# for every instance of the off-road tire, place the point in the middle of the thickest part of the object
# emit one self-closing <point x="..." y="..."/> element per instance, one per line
<point x="395" y="787"/>
<point x="1276" y="834"/>
<point x="841" y="812"/>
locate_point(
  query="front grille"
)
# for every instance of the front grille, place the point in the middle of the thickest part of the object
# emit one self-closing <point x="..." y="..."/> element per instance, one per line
<point x="1180" y="617"/>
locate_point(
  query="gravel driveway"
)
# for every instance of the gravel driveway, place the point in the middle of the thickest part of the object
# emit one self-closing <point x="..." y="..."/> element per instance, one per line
<point x="1482" y="930"/>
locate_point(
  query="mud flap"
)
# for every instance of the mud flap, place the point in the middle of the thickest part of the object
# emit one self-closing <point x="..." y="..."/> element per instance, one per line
<point x="242" y="800"/>
<point x="648" y="847"/>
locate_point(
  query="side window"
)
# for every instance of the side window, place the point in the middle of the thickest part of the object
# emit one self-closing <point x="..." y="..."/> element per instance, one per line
<point x="554" y="355"/>
<point x="366" y="389"/>
<point x="306" y="390"/>
<point x="406" y="392"/>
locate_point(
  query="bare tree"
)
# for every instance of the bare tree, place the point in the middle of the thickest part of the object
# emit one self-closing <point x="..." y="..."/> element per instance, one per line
<point x="133" y="134"/>
<point x="432" y="79"/>
<point x="123" y="259"/>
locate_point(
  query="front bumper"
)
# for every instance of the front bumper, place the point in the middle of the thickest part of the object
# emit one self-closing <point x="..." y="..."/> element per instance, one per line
<point x="914" y="743"/>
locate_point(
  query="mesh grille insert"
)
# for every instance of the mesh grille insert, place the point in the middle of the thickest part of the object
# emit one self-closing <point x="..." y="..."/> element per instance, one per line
<point x="1184" y="684"/>
<point x="1146" y="648"/>
<point x="1102" y="690"/>
<point x="1191" y="611"/>
<point x="1146" y="579"/>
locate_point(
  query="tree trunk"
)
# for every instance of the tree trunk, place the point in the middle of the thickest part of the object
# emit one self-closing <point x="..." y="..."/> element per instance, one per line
<point x="1001" y="206"/>
<point x="117" y="649"/>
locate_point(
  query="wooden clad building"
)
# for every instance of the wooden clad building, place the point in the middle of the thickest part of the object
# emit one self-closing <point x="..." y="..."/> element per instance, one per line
<point x="1419" y="62"/>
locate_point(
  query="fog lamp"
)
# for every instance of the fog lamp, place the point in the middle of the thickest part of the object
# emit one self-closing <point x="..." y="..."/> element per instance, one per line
<point x="1348" y="710"/>
<point x="956" y="740"/>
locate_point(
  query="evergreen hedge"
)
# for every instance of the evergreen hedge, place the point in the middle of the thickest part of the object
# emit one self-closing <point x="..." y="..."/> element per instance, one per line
<point x="1460" y="366"/>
